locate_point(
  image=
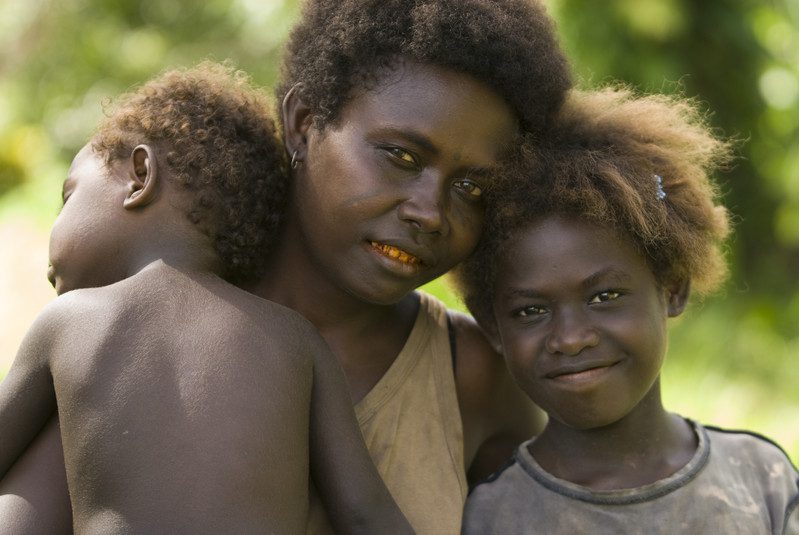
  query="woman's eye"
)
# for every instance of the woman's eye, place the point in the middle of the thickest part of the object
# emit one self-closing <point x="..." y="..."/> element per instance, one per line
<point x="401" y="155"/>
<point x="469" y="187"/>
<point x="602" y="297"/>
<point x="531" y="311"/>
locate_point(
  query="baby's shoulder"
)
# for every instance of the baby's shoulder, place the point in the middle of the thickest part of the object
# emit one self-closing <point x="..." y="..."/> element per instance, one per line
<point x="82" y="307"/>
<point x="243" y="318"/>
<point x="72" y="322"/>
<point x="279" y="322"/>
<point x="235" y="304"/>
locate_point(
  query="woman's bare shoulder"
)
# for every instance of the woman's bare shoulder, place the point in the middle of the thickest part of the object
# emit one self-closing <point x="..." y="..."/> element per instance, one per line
<point x="496" y="414"/>
<point x="479" y="367"/>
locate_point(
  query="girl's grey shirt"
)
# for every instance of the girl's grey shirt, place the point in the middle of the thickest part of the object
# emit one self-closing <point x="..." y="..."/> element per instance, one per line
<point x="736" y="482"/>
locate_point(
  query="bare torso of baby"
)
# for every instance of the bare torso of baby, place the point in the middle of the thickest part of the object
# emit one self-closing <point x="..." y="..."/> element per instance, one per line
<point x="184" y="406"/>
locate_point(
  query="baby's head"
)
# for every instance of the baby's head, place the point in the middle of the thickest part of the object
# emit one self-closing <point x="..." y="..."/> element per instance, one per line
<point x="591" y="242"/>
<point x="342" y="47"/>
<point x="215" y="142"/>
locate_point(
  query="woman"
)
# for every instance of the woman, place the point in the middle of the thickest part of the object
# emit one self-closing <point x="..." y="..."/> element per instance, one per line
<point x="395" y="112"/>
<point x="394" y="121"/>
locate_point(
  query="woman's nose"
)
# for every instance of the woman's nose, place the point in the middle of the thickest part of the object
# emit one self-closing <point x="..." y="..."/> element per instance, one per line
<point x="424" y="204"/>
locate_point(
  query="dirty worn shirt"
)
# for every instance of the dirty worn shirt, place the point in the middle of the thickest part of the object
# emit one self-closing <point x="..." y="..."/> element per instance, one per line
<point x="737" y="482"/>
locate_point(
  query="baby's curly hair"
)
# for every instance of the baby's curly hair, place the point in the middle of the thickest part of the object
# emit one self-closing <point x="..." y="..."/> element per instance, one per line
<point x="221" y="144"/>
<point x="600" y="163"/>
<point x="342" y="46"/>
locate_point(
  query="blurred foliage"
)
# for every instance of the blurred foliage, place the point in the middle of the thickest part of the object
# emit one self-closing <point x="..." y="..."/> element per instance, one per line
<point x="59" y="60"/>
<point x="733" y="358"/>
<point x="741" y="59"/>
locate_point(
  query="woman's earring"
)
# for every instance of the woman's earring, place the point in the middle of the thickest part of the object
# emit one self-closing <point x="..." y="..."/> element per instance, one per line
<point x="295" y="162"/>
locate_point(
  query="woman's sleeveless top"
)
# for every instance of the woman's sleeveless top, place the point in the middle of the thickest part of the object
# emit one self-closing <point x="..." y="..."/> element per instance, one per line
<point x="412" y="426"/>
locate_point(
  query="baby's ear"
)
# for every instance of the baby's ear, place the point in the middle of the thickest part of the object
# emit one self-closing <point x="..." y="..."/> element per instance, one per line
<point x="142" y="177"/>
<point x="677" y="293"/>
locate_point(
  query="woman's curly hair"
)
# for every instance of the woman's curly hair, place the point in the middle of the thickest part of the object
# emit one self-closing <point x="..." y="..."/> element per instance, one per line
<point x="340" y="47"/>
<point x="220" y="144"/>
<point x="640" y="165"/>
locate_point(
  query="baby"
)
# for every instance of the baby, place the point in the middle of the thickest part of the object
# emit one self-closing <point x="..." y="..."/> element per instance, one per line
<point x="187" y="405"/>
<point x="594" y="242"/>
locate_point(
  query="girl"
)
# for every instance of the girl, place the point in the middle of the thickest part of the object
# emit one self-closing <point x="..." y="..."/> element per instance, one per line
<point x="597" y="242"/>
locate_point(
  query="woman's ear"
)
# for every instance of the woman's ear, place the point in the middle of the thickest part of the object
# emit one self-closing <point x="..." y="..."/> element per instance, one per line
<point x="677" y="293"/>
<point x="297" y="120"/>
<point x="142" y="177"/>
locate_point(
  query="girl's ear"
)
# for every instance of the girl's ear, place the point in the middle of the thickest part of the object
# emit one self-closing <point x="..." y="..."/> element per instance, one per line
<point x="677" y="293"/>
<point x="494" y="340"/>
<point x="297" y="120"/>
<point x="489" y="327"/>
<point x="142" y="177"/>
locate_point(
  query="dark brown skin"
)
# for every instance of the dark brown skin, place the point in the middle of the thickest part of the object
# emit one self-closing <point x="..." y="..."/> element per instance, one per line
<point x="187" y="405"/>
<point x="389" y="171"/>
<point x="582" y="321"/>
<point x="32" y="493"/>
<point x="365" y="315"/>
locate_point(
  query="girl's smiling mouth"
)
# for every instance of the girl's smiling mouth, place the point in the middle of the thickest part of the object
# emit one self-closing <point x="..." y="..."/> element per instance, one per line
<point x="581" y="375"/>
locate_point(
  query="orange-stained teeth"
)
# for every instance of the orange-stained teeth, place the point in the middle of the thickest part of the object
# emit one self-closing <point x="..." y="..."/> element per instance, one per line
<point x="397" y="254"/>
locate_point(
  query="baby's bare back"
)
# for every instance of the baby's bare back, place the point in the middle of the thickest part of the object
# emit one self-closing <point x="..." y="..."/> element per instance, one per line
<point x="184" y="406"/>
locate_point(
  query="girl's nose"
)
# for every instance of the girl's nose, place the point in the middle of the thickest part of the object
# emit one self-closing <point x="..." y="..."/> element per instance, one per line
<point x="570" y="334"/>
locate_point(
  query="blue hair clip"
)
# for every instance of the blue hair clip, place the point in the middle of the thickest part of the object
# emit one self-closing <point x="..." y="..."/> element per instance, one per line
<point x="661" y="193"/>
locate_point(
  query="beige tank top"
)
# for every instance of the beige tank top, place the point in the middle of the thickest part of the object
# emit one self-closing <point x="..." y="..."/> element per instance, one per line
<point x="412" y="426"/>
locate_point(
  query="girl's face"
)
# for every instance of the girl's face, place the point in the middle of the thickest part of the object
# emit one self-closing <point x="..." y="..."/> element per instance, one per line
<point x="85" y="242"/>
<point x="582" y="320"/>
<point x="389" y="197"/>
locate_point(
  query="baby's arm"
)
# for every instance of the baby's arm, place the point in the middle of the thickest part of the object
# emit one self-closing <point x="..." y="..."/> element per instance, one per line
<point x="354" y="495"/>
<point x="33" y="494"/>
<point x="27" y="397"/>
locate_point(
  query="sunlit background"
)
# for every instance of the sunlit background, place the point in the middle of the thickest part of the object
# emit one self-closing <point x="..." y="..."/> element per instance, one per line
<point x="733" y="358"/>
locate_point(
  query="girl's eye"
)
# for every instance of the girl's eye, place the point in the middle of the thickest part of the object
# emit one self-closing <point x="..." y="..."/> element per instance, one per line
<point x="531" y="311"/>
<point x="601" y="297"/>
<point x="469" y="187"/>
<point x="401" y="156"/>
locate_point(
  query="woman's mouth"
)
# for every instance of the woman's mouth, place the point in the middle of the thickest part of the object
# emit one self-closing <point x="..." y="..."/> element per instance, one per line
<point x="395" y="253"/>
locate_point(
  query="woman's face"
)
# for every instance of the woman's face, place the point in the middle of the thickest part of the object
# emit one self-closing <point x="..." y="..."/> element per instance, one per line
<point x="389" y="197"/>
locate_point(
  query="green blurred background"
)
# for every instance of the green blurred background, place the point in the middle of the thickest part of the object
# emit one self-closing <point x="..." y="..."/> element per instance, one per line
<point x="732" y="359"/>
